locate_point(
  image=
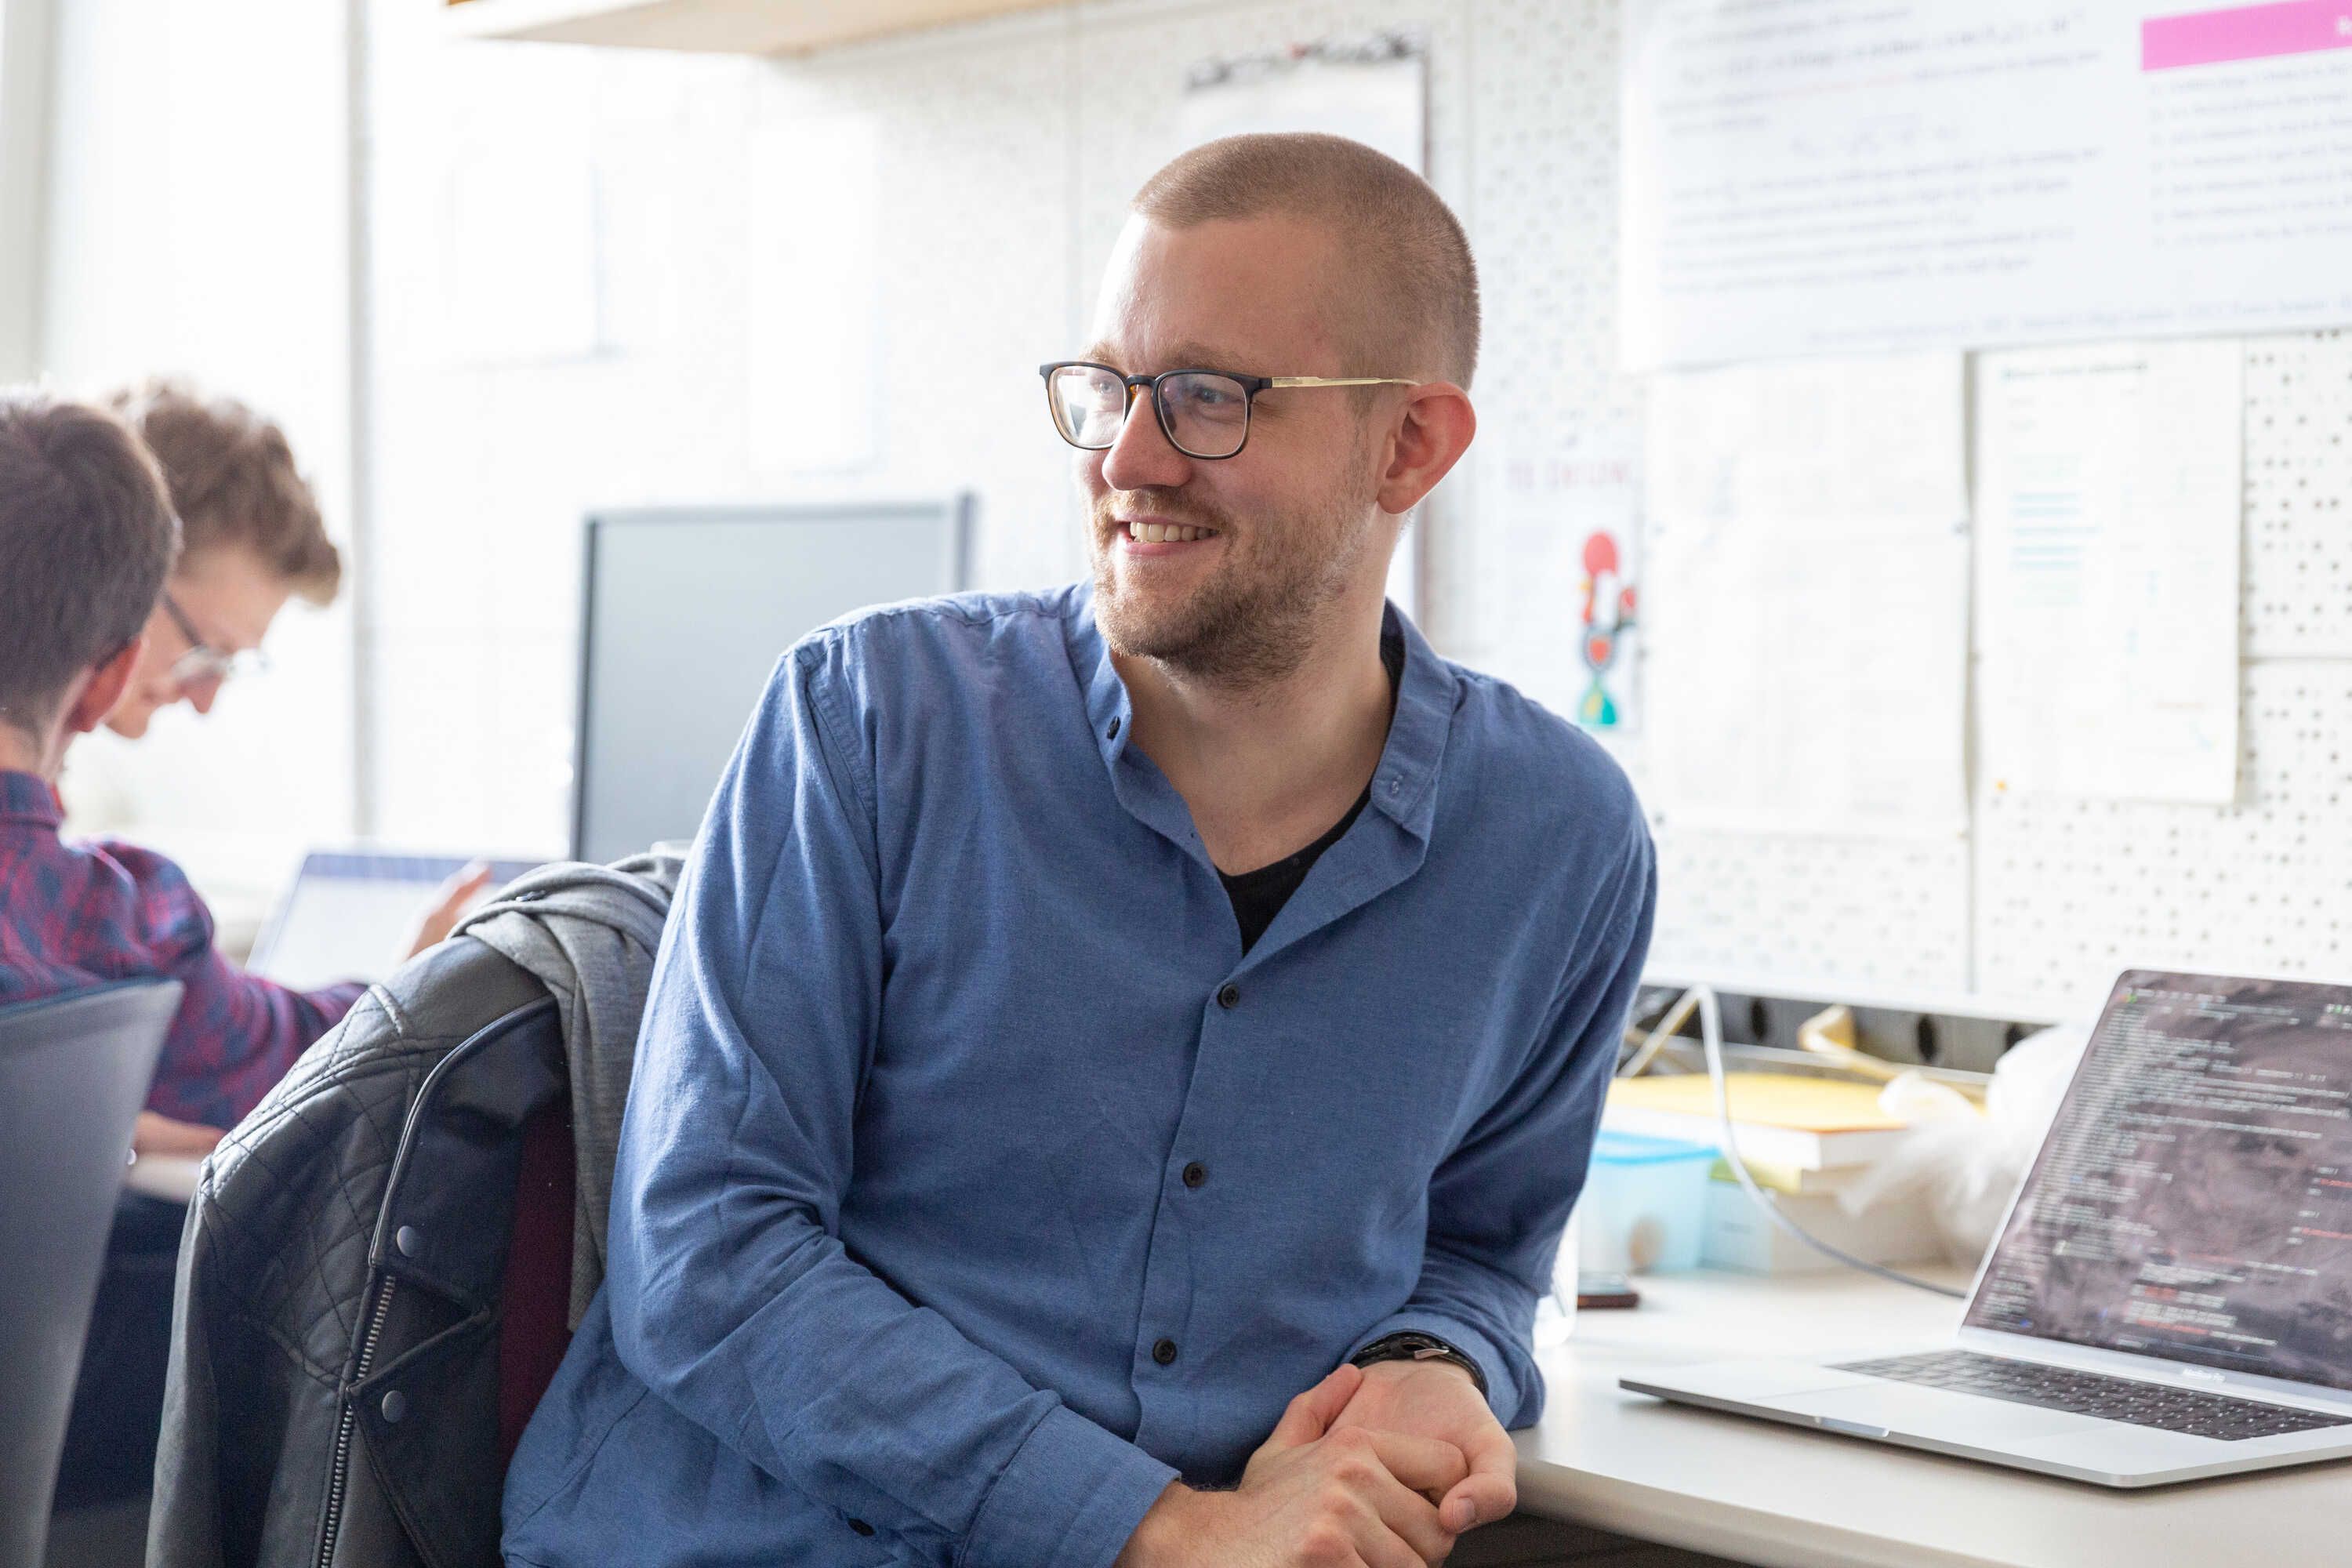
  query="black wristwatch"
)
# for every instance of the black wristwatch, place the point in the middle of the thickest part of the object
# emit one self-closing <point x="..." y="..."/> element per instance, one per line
<point x="1413" y="1346"/>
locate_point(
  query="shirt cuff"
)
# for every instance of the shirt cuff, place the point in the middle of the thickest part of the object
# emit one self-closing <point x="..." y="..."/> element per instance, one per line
<point x="1070" y="1499"/>
<point x="1503" y="1394"/>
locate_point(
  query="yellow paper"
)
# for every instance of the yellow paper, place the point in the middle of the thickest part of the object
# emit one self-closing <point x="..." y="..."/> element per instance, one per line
<point x="1763" y="1099"/>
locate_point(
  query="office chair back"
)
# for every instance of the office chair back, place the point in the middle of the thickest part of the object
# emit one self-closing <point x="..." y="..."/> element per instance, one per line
<point x="74" y="1071"/>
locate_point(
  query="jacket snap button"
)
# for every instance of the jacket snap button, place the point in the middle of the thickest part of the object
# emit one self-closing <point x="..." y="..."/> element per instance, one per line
<point x="407" y="1240"/>
<point x="395" y="1406"/>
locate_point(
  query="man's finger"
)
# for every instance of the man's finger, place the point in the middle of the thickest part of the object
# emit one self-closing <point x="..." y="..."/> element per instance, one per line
<point x="1413" y="1520"/>
<point x="1491" y="1490"/>
<point x="1428" y="1465"/>
<point x="1384" y="1548"/>
<point x="1310" y="1415"/>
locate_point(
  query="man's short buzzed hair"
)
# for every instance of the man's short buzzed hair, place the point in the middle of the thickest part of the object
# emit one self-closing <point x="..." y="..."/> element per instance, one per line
<point x="1419" y="287"/>
<point x="86" y="536"/>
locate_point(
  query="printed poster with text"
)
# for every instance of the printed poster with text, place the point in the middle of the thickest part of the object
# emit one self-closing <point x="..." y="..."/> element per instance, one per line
<point x="1819" y="177"/>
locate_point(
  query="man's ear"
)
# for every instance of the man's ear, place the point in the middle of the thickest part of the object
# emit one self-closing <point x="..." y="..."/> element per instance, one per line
<point x="1433" y="432"/>
<point x="101" y="688"/>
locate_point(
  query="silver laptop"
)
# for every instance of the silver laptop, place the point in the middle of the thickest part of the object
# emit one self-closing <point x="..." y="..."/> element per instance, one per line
<point x="2170" y="1296"/>
<point x="346" y="915"/>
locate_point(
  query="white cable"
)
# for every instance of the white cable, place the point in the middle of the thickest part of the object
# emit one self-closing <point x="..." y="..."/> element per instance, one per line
<point x="1710" y="1030"/>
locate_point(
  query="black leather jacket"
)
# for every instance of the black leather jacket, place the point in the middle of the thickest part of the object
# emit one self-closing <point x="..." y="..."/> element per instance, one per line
<point x="333" y="1397"/>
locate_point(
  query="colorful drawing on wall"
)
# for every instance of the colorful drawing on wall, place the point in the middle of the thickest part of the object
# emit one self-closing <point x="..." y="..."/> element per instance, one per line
<point x="1554" y="574"/>
<point x="1607" y="620"/>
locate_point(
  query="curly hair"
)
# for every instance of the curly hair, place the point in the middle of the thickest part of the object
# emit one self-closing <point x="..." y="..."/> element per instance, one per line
<point x="234" y="482"/>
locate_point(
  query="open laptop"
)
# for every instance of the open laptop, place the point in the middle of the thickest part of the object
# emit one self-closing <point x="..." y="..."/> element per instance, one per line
<point x="2170" y="1296"/>
<point x="347" y="913"/>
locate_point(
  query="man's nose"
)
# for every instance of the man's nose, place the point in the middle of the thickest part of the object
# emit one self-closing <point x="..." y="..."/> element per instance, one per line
<point x="1142" y="457"/>
<point x="200" y="694"/>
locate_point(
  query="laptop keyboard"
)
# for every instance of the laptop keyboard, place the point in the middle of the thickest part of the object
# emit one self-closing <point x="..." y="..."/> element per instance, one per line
<point x="2093" y="1393"/>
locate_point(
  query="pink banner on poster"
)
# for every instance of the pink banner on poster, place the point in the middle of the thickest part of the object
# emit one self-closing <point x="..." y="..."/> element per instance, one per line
<point x="2245" y="33"/>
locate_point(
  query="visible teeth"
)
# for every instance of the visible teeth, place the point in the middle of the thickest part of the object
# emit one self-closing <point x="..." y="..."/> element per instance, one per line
<point x="1167" y="533"/>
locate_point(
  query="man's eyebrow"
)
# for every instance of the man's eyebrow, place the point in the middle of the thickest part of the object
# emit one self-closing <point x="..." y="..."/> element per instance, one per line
<point x="1189" y="354"/>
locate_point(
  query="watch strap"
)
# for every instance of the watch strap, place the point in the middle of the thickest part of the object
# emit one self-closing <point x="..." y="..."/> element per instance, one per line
<point x="1413" y="1346"/>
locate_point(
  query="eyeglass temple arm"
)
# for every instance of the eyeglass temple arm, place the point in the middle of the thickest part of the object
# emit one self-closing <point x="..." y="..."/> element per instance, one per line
<point x="1340" y="381"/>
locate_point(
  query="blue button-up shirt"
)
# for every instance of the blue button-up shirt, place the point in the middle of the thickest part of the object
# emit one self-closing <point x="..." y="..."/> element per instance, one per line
<point x="904" y="1263"/>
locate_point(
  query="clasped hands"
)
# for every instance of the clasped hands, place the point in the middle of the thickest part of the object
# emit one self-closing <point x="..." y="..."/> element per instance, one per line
<point x="1381" y="1466"/>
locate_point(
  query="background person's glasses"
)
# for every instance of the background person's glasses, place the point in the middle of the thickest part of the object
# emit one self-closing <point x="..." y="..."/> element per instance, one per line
<point x="1203" y="413"/>
<point x="204" y="664"/>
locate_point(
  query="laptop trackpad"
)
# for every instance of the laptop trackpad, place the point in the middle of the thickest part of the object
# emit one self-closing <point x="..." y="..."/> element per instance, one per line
<point x="1932" y="1413"/>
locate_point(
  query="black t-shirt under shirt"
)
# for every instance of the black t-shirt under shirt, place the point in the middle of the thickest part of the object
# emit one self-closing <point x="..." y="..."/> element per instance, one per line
<point x="1258" y="895"/>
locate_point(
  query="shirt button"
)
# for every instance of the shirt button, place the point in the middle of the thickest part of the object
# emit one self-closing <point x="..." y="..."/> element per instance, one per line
<point x="861" y="1526"/>
<point x="1229" y="996"/>
<point x="1195" y="1173"/>
<point x="1113" y="732"/>
<point x="1164" y="1352"/>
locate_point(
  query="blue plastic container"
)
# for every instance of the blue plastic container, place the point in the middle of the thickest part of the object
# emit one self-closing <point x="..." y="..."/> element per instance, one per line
<point x="1643" y="1209"/>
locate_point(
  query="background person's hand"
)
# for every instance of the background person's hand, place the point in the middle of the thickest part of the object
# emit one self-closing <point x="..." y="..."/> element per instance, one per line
<point x="450" y="902"/>
<point x="154" y="1135"/>
<point x="1311" y="1498"/>
<point x="1436" y="1399"/>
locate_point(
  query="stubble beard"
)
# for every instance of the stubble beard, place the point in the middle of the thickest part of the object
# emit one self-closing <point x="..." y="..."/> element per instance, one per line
<point x="1252" y="623"/>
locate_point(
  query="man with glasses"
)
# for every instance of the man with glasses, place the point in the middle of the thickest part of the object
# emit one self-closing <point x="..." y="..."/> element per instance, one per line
<point x="1123" y="1056"/>
<point x="252" y="538"/>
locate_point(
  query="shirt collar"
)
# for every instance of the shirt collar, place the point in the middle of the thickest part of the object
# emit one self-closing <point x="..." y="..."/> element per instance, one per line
<point x="1404" y="787"/>
<point x="27" y="798"/>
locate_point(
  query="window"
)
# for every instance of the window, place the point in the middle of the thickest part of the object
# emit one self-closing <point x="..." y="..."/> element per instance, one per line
<point x="24" y="98"/>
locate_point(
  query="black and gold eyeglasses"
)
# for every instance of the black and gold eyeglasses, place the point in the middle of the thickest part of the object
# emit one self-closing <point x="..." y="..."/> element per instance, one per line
<point x="1203" y="413"/>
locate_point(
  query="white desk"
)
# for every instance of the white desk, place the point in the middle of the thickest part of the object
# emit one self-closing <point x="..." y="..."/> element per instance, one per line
<point x="1786" y="1497"/>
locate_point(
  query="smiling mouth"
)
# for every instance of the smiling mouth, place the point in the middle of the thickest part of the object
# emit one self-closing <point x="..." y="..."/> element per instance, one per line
<point x="1167" y="533"/>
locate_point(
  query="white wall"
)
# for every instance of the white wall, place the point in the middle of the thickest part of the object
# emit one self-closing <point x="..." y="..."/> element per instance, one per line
<point x="692" y="202"/>
<point x="198" y="222"/>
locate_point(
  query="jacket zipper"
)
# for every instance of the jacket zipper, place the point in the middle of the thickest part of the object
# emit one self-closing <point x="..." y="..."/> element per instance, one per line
<point x="344" y="1423"/>
<point x="331" y="1528"/>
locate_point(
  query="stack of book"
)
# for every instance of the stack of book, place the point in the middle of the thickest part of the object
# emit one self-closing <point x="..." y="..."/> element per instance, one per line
<point x="1806" y="1141"/>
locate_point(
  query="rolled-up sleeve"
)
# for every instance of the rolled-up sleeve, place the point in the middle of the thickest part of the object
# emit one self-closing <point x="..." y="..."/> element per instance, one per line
<point x="730" y="1292"/>
<point x="1498" y="1204"/>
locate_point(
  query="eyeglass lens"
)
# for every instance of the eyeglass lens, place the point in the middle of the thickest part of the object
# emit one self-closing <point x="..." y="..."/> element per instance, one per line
<point x="1205" y="415"/>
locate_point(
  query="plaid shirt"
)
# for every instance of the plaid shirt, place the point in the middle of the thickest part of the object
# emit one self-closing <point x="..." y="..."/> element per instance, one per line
<point x="73" y="915"/>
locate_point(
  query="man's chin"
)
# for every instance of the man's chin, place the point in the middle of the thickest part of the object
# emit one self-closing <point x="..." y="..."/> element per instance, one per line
<point x="1142" y="624"/>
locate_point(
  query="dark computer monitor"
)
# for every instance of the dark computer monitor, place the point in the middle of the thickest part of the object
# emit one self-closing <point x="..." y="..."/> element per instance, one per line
<point x="683" y="614"/>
